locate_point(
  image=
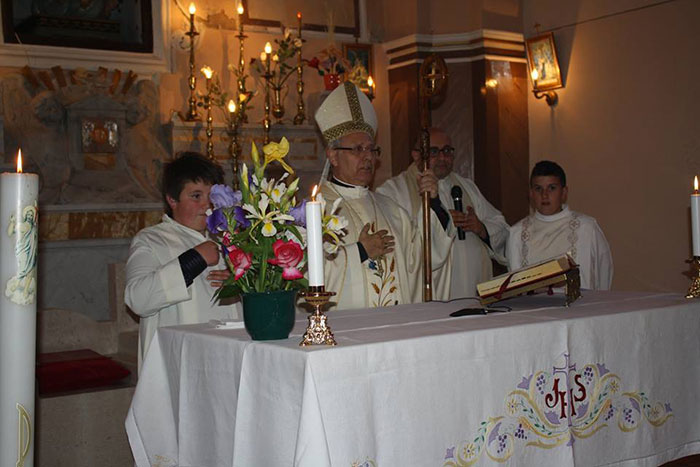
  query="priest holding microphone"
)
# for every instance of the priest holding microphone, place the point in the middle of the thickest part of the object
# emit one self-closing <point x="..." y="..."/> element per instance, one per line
<point x="482" y="230"/>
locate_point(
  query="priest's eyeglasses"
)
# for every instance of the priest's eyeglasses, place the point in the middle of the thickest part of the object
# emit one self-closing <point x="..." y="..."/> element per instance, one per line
<point x="358" y="150"/>
<point x="447" y="151"/>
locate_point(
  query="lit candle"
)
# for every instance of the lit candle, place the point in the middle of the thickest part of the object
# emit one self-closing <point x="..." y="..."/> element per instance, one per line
<point x="208" y="73"/>
<point x="314" y="240"/>
<point x="231" y="110"/>
<point x="299" y="21"/>
<point x="268" y="52"/>
<point x="193" y="10"/>
<point x="239" y="10"/>
<point x="534" y="75"/>
<point x="695" y="217"/>
<point x="370" y="84"/>
<point x="18" y="259"/>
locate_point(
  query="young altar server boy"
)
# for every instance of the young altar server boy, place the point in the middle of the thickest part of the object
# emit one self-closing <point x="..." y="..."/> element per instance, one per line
<point x="553" y="229"/>
<point x="173" y="267"/>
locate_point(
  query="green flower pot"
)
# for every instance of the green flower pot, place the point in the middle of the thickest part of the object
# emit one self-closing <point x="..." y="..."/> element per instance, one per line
<point x="269" y="315"/>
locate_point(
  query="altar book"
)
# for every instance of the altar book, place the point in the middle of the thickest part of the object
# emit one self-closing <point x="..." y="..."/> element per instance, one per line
<point x="559" y="271"/>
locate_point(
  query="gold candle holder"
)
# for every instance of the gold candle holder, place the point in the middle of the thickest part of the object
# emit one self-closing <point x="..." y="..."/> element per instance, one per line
<point x="318" y="331"/>
<point x="301" y="112"/>
<point x="192" y="115"/>
<point x="243" y="117"/>
<point x="694" y="290"/>
<point x="208" y="73"/>
<point x="234" y="149"/>
<point x="268" y="77"/>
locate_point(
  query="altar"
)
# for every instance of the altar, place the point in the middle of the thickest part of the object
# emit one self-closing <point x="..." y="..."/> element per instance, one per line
<point x="613" y="379"/>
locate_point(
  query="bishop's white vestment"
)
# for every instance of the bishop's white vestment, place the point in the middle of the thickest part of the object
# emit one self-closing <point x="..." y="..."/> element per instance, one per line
<point x="393" y="279"/>
<point x="537" y="238"/>
<point x="470" y="259"/>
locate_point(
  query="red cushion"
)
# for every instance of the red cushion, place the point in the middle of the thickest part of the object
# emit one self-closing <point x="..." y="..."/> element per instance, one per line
<point x="76" y="369"/>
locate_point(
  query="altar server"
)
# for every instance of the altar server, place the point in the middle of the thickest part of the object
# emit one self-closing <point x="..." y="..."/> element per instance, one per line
<point x="380" y="263"/>
<point x="485" y="229"/>
<point x="553" y="229"/>
<point x="173" y="267"/>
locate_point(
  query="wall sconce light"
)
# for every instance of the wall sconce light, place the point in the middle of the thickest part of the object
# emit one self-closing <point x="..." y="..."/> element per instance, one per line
<point x="550" y="96"/>
<point x="544" y="67"/>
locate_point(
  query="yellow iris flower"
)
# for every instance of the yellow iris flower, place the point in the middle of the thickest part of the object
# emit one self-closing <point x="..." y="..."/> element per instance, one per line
<point x="277" y="152"/>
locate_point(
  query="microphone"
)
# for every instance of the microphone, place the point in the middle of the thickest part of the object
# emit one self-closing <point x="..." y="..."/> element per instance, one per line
<point x="456" y="194"/>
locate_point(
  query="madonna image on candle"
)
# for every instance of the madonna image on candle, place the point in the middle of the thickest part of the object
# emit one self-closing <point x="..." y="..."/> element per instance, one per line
<point x="21" y="288"/>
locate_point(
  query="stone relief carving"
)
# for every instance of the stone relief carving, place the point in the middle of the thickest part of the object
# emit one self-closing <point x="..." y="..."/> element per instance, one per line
<point x="50" y="125"/>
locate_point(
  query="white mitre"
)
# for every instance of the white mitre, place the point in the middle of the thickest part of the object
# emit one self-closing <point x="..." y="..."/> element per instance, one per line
<point x="346" y="110"/>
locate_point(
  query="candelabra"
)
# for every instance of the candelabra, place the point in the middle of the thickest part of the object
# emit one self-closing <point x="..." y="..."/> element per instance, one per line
<point x="207" y="106"/>
<point x="301" y="113"/>
<point x="192" y="114"/>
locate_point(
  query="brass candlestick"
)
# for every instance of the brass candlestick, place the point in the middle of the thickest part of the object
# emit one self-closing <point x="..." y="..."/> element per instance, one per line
<point x="301" y="112"/>
<point x="318" y="331"/>
<point x="243" y="117"/>
<point x="694" y="290"/>
<point x="234" y="149"/>
<point x="192" y="115"/>
<point x="268" y="78"/>
<point x="208" y="73"/>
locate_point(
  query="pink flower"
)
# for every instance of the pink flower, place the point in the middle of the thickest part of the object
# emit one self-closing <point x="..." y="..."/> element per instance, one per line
<point x="287" y="256"/>
<point x="240" y="260"/>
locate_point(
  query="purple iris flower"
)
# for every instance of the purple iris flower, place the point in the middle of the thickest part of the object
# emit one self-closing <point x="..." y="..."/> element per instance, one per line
<point x="299" y="214"/>
<point x="223" y="196"/>
<point x="239" y="215"/>
<point x="216" y="222"/>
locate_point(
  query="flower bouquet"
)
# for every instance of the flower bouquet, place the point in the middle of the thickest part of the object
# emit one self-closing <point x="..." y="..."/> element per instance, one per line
<point x="330" y="64"/>
<point x="262" y="233"/>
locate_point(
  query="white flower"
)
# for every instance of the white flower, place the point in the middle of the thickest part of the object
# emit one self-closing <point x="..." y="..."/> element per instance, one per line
<point x="337" y="223"/>
<point x="297" y="43"/>
<point x="268" y="229"/>
<point x="277" y="192"/>
<point x="287" y="32"/>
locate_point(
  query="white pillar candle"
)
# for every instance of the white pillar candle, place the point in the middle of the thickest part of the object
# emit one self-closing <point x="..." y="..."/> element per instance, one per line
<point x="314" y="241"/>
<point x="19" y="230"/>
<point x="695" y="217"/>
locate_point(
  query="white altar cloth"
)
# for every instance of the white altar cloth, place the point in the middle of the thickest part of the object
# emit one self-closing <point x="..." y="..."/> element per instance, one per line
<point x="412" y="386"/>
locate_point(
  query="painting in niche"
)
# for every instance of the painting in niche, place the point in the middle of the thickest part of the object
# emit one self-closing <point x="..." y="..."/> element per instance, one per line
<point x="317" y="15"/>
<point x="93" y="24"/>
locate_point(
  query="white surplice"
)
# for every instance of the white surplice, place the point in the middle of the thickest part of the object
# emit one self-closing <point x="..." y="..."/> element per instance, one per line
<point x="470" y="259"/>
<point x="155" y="286"/>
<point x="538" y="238"/>
<point x="393" y="279"/>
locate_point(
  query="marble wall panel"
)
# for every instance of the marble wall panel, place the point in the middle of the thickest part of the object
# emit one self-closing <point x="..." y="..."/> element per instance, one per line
<point x="57" y="226"/>
<point x="74" y="275"/>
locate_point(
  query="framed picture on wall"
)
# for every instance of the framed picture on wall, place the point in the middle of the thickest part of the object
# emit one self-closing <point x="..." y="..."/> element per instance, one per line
<point x="112" y="25"/>
<point x="543" y="63"/>
<point x="360" y="58"/>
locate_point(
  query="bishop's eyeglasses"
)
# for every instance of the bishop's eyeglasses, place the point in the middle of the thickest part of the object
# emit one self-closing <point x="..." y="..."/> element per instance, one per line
<point x="359" y="150"/>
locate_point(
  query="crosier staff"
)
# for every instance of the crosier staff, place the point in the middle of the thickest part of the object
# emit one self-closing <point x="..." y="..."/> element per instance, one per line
<point x="433" y="80"/>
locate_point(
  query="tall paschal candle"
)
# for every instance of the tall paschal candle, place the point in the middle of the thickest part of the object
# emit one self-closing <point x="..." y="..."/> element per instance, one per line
<point x="19" y="242"/>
